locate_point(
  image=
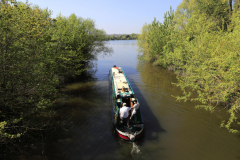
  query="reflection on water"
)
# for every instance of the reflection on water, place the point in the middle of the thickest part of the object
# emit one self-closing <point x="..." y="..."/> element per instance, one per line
<point x="173" y="130"/>
<point x="190" y="133"/>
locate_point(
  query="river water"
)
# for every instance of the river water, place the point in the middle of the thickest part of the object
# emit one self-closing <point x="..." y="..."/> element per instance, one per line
<point x="173" y="130"/>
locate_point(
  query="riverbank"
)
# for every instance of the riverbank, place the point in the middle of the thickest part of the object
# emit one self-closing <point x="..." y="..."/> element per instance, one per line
<point x="205" y="54"/>
<point x="132" y="36"/>
<point x="38" y="55"/>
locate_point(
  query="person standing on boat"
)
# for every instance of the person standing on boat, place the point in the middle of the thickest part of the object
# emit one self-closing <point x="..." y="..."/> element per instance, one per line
<point x="124" y="114"/>
<point x="135" y="108"/>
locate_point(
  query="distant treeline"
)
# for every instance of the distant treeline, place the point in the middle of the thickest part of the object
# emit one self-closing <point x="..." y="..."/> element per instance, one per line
<point x="122" y="36"/>
<point x="38" y="54"/>
<point x="200" y="41"/>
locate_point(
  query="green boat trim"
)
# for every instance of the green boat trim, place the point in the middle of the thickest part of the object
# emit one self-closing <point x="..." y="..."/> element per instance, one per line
<point x="122" y="92"/>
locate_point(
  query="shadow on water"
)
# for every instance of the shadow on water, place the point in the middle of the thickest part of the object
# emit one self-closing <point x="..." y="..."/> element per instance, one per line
<point x="152" y="130"/>
<point x="86" y="131"/>
<point x="89" y="133"/>
<point x="88" y="125"/>
<point x="82" y="123"/>
<point x="151" y="123"/>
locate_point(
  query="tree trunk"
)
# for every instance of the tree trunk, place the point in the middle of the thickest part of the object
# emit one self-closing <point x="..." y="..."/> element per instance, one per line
<point x="230" y="7"/>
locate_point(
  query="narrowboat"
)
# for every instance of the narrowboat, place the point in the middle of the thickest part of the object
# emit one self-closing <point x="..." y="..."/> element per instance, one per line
<point x="121" y="92"/>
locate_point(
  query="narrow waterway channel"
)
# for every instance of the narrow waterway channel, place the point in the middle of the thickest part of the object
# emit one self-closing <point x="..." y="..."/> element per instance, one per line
<point x="173" y="130"/>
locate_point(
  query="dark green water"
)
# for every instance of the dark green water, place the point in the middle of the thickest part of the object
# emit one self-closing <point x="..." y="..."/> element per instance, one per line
<point x="173" y="130"/>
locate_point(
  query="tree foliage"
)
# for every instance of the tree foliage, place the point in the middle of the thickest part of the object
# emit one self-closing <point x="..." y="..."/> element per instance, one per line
<point x="76" y="40"/>
<point x="38" y="52"/>
<point x="122" y="36"/>
<point x="200" y="41"/>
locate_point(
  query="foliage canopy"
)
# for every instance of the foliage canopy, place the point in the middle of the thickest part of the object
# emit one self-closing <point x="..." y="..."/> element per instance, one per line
<point x="37" y="54"/>
<point x="200" y="42"/>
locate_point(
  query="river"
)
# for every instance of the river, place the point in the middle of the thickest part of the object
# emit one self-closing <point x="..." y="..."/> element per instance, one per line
<point x="173" y="130"/>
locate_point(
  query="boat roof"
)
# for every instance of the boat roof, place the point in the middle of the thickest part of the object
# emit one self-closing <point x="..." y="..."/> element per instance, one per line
<point x="119" y="78"/>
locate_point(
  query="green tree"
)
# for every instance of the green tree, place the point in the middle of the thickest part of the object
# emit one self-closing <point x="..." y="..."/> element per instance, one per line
<point x="36" y="53"/>
<point x="143" y="38"/>
<point x="76" y="41"/>
<point x="236" y="5"/>
<point x="199" y="41"/>
<point x="157" y="38"/>
<point x="26" y="80"/>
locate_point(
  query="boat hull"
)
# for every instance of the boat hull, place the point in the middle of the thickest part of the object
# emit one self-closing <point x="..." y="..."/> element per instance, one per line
<point x="125" y="136"/>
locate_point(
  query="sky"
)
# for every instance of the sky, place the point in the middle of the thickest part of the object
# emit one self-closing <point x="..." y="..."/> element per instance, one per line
<point x="113" y="16"/>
